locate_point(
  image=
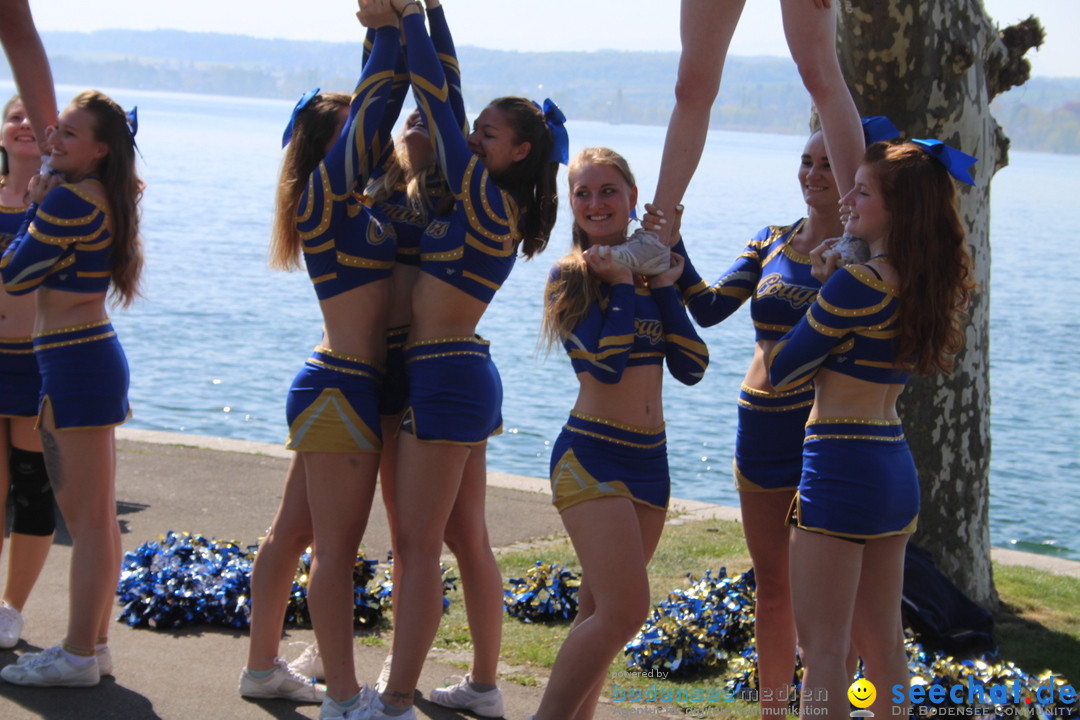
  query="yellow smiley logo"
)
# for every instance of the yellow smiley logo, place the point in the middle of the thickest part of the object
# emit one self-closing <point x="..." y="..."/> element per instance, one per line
<point x="862" y="693"/>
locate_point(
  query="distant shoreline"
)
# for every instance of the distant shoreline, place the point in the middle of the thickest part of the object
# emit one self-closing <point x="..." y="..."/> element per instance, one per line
<point x="759" y="94"/>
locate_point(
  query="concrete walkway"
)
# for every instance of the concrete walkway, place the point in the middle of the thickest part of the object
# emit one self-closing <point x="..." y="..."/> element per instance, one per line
<point x="230" y="489"/>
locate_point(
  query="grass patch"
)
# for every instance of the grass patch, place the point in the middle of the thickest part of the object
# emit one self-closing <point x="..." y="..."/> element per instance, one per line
<point x="1038" y="625"/>
<point x="1037" y="628"/>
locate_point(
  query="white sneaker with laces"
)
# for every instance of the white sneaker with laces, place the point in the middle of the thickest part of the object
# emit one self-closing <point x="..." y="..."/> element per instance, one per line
<point x="283" y="683"/>
<point x="462" y="696"/>
<point x="643" y="253"/>
<point x="375" y="710"/>
<point x="384" y="675"/>
<point x="309" y="664"/>
<point x="11" y="625"/>
<point x="51" y="668"/>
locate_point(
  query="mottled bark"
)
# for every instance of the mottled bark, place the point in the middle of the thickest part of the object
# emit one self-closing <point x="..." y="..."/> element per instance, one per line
<point x="932" y="66"/>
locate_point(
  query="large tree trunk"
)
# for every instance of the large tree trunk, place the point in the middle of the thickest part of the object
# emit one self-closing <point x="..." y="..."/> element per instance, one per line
<point x="933" y="66"/>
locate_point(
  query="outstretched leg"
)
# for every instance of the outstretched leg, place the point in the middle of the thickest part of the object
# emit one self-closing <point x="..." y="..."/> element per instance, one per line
<point x="811" y="36"/>
<point x="705" y="27"/>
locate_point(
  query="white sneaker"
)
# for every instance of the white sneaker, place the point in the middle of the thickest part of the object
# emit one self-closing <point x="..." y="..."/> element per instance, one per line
<point x="11" y="625"/>
<point x="51" y="668"/>
<point x="309" y="664"/>
<point x="462" y="696"/>
<point x="362" y="711"/>
<point x="104" y="660"/>
<point x="643" y="253"/>
<point x="384" y="675"/>
<point x="376" y="711"/>
<point x="283" y="683"/>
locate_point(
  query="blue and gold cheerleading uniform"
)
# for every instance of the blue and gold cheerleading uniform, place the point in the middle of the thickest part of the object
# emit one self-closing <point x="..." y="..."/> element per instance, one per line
<point x="347" y="243"/>
<point x="20" y="392"/>
<point x="858" y="479"/>
<point x="410" y="221"/>
<point x="474" y="248"/>
<point x="65" y="244"/>
<point x="597" y="457"/>
<point x="455" y="393"/>
<point x="777" y="279"/>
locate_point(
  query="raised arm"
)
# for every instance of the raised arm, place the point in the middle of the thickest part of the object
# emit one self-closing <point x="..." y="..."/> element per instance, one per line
<point x="600" y="343"/>
<point x="29" y="66"/>
<point x="444" y="46"/>
<point x="686" y="354"/>
<point x="351" y="160"/>
<point x="711" y="304"/>
<point x="49" y="230"/>
<point x="848" y="302"/>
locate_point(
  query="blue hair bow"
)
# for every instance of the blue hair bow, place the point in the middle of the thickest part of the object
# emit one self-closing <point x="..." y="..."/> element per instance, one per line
<point x="302" y="103"/>
<point x="560" y="141"/>
<point x="876" y="128"/>
<point x="955" y="161"/>
<point x="132" y="119"/>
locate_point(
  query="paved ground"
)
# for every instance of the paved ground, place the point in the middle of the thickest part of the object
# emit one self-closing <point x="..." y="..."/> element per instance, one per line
<point x="230" y="489"/>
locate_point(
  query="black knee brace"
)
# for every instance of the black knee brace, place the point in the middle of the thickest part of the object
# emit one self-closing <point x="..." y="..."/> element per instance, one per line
<point x="31" y="495"/>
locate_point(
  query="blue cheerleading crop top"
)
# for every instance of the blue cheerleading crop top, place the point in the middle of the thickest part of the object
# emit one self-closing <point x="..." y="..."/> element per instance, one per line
<point x="850" y="329"/>
<point x="11" y="219"/>
<point x="769" y="271"/>
<point x="348" y="241"/>
<point x="475" y="246"/>
<point x="630" y="327"/>
<point x="409" y="221"/>
<point x="63" y="244"/>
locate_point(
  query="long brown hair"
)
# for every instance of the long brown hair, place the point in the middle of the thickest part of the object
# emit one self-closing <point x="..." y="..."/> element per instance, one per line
<point x="572" y="289"/>
<point x="531" y="180"/>
<point x="314" y="129"/>
<point x="4" y="169"/>
<point x="123" y="190"/>
<point x="928" y="247"/>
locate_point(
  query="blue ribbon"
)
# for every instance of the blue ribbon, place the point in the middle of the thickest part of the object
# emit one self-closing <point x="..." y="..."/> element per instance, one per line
<point x="560" y="141"/>
<point x="302" y="103"/>
<point x="132" y="118"/>
<point x="876" y="128"/>
<point x="955" y="161"/>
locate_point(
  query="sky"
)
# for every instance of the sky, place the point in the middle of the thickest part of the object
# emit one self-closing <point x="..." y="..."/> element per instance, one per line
<point x="526" y="25"/>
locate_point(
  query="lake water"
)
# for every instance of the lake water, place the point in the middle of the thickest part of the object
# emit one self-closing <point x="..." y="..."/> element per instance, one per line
<point x="216" y="341"/>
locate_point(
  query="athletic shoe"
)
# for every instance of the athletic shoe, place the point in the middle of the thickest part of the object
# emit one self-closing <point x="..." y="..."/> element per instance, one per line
<point x="330" y="710"/>
<point x="462" y="696"/>
<point x="51" y="668"/>
<point x="103" y="654"/>
<point x="11" y="625"/>
<point x="376" y="711"/>
<point x="309" y="664"/>
<point x="104" y="660"/>
<point x="384" y="675"/>
<point x="282" y="683"/>
<point x="643" y="253"/>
